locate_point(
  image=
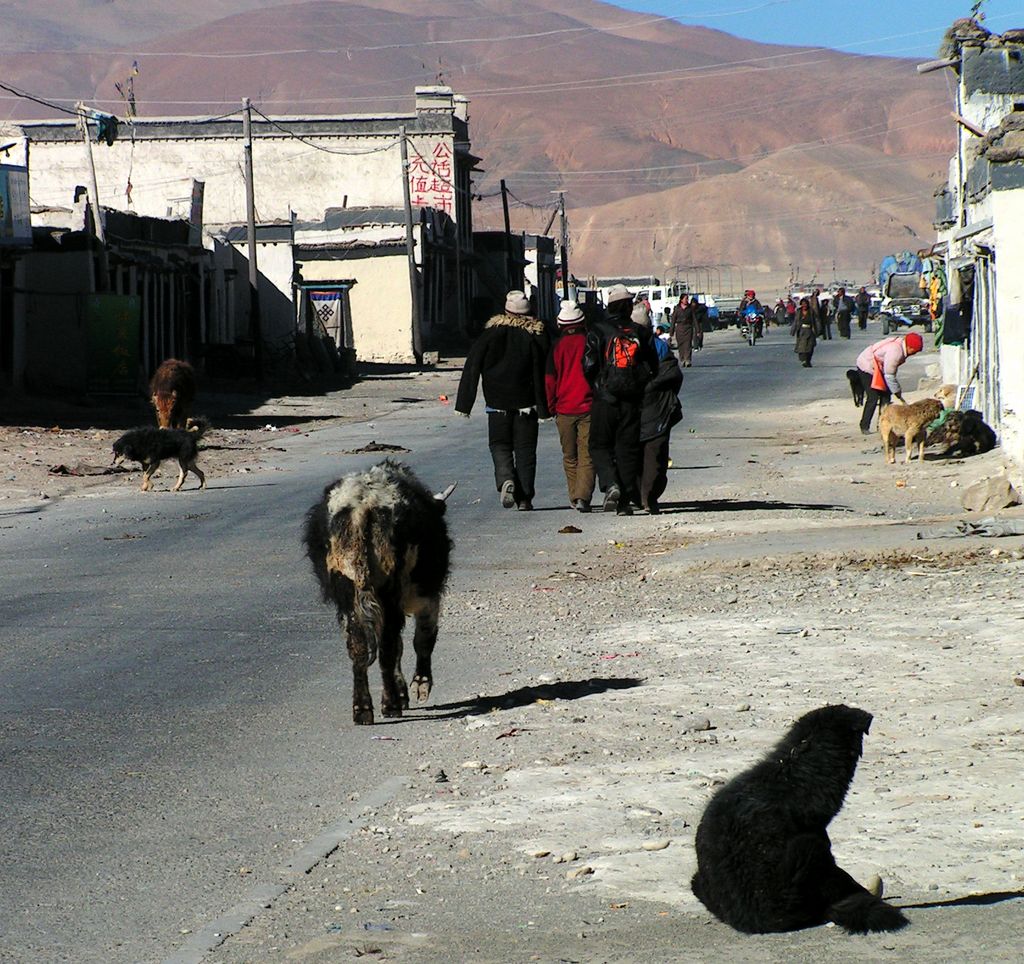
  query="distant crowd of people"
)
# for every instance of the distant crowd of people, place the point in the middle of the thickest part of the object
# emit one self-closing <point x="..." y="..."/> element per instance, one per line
<point x="611" y="385"/>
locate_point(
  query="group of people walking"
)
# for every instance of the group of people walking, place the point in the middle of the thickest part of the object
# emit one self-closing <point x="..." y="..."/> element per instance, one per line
<point x="611" y="385"/>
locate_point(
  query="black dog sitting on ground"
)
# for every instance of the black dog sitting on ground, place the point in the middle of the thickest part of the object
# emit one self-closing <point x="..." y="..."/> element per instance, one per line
<point x="856" y="385"/>
<point x="963" y="432"/>
<point x="764" y="859"/>
<point x="151" y="446"/>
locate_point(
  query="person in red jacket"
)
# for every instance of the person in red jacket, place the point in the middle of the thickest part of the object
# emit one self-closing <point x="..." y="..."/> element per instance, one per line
<point x="569" y="398"/>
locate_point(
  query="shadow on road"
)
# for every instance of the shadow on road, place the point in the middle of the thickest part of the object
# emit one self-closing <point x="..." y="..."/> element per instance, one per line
<point x="524" y="696"/>
<point x="748" y="505"/>
<point x="971" y="900"/>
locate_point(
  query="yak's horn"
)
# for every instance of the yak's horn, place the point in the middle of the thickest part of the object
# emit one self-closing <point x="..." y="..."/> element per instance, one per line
<point x="443" y="496"/>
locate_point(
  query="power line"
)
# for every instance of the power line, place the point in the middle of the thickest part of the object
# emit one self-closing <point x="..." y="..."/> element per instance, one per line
<point x="374" y="48"/>
<point x="527" y="204"/>
<point x="320" y="147"/>
<point x="38" y="100"/>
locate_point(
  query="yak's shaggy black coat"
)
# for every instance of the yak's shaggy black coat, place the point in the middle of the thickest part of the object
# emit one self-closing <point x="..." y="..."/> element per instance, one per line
<point x="764" y="859"/>
<point x="379" y="546"/>
<point x="966" y="433"/>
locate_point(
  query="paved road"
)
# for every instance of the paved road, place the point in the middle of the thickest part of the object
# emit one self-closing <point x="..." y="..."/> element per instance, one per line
<point x="174" y="700"/>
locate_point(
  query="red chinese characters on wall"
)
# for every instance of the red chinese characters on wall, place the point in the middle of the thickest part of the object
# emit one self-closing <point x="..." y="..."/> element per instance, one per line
<point x="430" y="179"/>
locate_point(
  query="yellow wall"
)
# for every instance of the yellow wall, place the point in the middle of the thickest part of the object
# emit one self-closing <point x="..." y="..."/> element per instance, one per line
<point x="380" y="302"/>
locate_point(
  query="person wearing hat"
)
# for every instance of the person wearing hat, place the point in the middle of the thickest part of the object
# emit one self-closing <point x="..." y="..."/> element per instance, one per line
<point x="509" y="358"/>
<point x="569" y="397"/>
<point x="619" y="360"/>
<point x="877" y="366"/>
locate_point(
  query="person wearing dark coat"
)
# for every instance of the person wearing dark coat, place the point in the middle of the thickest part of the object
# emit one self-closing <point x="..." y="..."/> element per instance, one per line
<point x="780" y="313"/>
<point x="863" y="302"/>
<point x="817" y="312"/>
<point x="700" y="317"/>
<point x="684" y="328"/>
<point x="660" y="412"/>
<point x="803" y="328"/>
<point x="842" y="309"/>
<point x="509" y="357"/>
<point x="615" y="414"/>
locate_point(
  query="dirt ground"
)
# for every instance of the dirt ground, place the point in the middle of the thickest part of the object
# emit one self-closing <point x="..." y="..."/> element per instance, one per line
<point x="52" y="448"/>
<point x="553" y="818"/>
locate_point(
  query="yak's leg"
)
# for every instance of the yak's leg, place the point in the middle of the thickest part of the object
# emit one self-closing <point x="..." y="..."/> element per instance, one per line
<point x="390" y="664"/>
<point x="400" y="683"/>
<point x="359" y="653"/>
<point x="423" y="642"/>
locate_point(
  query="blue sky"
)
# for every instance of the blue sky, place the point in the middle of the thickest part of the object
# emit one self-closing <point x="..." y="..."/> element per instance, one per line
<point x="904" y="28"/>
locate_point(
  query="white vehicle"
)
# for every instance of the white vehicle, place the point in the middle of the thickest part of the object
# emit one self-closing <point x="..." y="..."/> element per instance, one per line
<point x="663" y="298"/>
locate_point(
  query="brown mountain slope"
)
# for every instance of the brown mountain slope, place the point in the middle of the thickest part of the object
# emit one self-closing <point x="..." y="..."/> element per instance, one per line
<point x="637" y="119"/>
<point x="806" y="212"/>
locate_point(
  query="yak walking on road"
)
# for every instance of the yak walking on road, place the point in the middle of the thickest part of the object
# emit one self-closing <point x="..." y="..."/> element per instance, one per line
<point x="172" y="391"/>
<point x="379" y="546"/>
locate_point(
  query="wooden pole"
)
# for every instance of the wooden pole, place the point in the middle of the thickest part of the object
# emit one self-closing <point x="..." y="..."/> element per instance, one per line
<point x="250" y="211"/>
<point x="410" y="250"/>
<point x="565" y="246"/>
<point x="509" y="269"/>
<point x="103" y="281"/>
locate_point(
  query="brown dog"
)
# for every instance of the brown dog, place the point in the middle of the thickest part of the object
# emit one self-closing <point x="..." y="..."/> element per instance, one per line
<point x="909" y="422"/>
<point x="173" y="390"/>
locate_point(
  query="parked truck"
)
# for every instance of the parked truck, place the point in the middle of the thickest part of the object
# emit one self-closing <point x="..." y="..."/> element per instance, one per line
<point x="904" y="295"/>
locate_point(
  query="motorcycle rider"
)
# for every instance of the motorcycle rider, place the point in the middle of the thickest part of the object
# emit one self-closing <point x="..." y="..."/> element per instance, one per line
<point x="752" y="311"/>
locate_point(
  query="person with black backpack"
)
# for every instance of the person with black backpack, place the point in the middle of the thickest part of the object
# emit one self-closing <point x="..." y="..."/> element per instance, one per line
<point x="618" y="361"/>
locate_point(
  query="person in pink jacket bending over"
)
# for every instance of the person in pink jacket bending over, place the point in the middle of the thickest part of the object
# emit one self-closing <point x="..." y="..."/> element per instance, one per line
<point x="884" y="358"/>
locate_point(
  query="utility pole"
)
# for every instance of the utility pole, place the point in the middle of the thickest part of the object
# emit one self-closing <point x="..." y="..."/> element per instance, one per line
<point x="509" y="269"/>
<point x="565" y="247"/>
<point x="103" y="282"/>
<point x="410" y="250"/>
<point x="250" y="210"/>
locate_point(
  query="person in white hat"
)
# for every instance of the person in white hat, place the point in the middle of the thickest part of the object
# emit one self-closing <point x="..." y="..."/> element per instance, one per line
<point x="509" y="357"/>
<point x="619" y="361"/>
<point x="569" y="398"/>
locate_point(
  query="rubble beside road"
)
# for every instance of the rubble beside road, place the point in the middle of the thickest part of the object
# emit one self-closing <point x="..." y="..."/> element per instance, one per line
<point x="52" y="448"/>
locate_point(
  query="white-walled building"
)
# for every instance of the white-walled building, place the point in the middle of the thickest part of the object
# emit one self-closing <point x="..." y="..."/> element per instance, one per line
<point x="980" y="215"/>
<point x="303" y="167"/>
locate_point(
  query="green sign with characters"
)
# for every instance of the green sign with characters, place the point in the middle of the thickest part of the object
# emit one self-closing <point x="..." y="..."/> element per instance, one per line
<point x="113" y="325"/>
